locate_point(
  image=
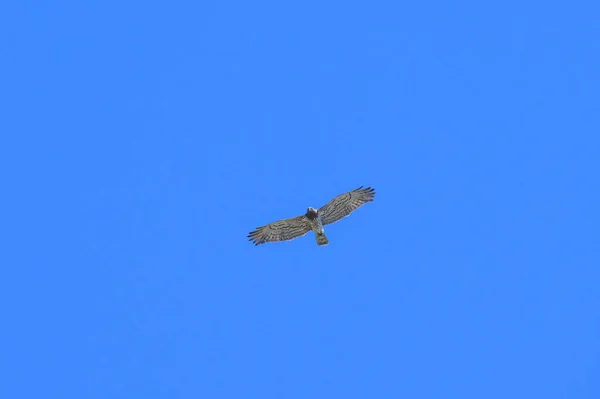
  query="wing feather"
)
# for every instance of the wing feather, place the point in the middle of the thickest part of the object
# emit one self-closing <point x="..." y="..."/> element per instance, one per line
<point x="282" y="230"/>
<point x="344" y="204"/>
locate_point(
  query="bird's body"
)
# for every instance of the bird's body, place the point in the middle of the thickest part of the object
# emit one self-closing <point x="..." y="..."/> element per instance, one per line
<point x="314" y="219"/>
<point x="316" y="225"/>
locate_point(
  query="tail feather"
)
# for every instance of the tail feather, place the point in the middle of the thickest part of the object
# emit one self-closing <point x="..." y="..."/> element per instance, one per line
<point x="322" y="239"/>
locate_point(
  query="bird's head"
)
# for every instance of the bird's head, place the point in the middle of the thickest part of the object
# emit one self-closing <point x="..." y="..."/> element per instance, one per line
<point x="311" y="213"/>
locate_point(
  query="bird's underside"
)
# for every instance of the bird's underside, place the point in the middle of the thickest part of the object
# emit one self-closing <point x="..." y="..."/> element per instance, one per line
<point x="314" y="219"/>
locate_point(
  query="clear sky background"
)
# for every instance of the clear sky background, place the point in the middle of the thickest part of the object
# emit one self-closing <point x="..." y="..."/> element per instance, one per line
<point x="142" y="141"/>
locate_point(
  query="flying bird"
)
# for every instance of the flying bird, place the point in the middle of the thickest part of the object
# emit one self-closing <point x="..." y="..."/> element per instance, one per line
<point x="314" y="219"/>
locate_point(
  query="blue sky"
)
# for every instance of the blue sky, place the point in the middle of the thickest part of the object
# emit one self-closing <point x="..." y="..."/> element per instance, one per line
<point x="143" y="141"/>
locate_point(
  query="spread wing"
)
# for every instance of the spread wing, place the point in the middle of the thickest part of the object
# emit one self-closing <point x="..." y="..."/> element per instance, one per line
<point x="344" y="204"/>
<point x="282" y="230"/>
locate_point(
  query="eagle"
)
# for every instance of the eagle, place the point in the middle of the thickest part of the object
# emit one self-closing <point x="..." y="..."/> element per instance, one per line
<point x="314" y="219"/>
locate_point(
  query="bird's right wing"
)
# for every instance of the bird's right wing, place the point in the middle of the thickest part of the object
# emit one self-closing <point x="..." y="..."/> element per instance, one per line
<point x="282" y="230"/>
<point x="344" y="204"/>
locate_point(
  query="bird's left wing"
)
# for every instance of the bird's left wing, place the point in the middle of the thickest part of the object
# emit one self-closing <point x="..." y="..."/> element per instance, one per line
<point x="344" y="204"/>
<point x="282" y="230"/>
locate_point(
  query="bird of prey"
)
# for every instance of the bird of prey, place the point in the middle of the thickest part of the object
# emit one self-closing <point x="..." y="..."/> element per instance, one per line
<point x="314" y="219"/>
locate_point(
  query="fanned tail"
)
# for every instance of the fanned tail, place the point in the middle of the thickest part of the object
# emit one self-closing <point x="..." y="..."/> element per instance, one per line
<point x="322" y="239"/>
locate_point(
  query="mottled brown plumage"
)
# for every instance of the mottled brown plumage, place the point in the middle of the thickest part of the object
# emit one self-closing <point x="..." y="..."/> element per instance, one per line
<point x="314" y="219"/>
